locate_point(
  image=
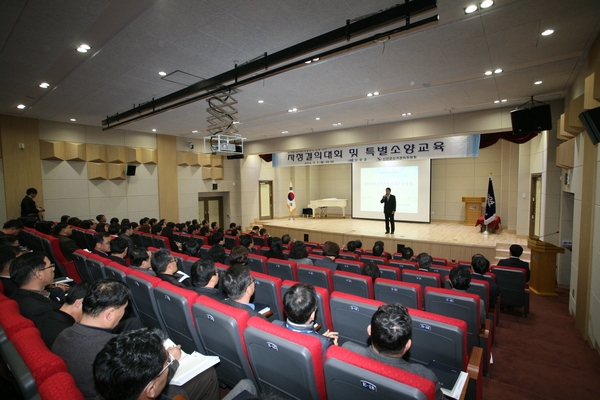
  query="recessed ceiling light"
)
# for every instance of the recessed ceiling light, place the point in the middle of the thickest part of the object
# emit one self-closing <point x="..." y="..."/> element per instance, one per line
<point x="21" y="106"/>
<point x="537" y="82"/>
<point x="486" y="3"/>
<point x="488" y="73"/>
<point x="236" y="122"/>
<point x="503" y="100"/>
<point x="496" y="101"/>
<point x="375" y="93"/>
<point x="547" y="32"/>
<point x="316" y="59"/>
<point x="369" y="94"/>
<point x="44" y="85"/>
<point x="162" y="73"/>
<point x="497" y="70"/>
<point x="73" y="120"/>
<point x="261" y="101"/>
<point x="307" y="61"/>
<point x="293" y="109"/>
<point x="83" y="48"/>
<point x="153" y="130"/>
<point x="470" y="9"/>
<point x="194" y="131"/>
<point x="284" y="132"/>
<point x="318" y="119"/>
<point x="406" y="114"/>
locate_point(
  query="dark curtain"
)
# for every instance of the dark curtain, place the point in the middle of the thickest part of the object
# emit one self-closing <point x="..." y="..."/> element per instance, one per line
<point x="488" y="139"/>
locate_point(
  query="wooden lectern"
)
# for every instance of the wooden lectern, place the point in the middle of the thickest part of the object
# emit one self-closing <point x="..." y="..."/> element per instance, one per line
<point x="472" y="209"/>
<point x="543" y="267"/>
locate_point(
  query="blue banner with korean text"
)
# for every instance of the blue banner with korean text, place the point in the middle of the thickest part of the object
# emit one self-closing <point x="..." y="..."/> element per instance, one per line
<point x="416" y="149"/>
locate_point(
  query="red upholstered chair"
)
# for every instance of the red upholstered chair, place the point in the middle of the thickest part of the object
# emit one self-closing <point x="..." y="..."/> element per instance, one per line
<point x="283" y="269"/>
<point x="312" y="245"/>
<point x="142" y="287"/>
<point x="404" y="264"/>
<point x="80" y="257"/>
<point x="267" y="290"/>
<point x="352" y="376"/>
<point x="374" y="259"/>
<point x="221" y="329"/>
<point x="95" y="265"/>
<point x="442" y="270"/>
<point x="231" y="241"/>
<point x="116" y="271"/>
<point x="348" y="282"/>
<point x="390" y="272"/>
<point x="316" y="276"/>
<point x="348" y="256"/>
<point x="350" y="265"/>
<point x="393" y="291"/>
<point x="351" y="315"/>
<point x="41" y="362"/>
<point x="513" y="287"/>
<point x="439" y="261"/>
<point x="257" y="263"/>
<point x="175" y="307"/>
<point x="60" y="386"/>
<point x="285" y="362"/>
<point x="11" y="319"/>
<point x="323" y="315"/>
<point x="423" y="278"/>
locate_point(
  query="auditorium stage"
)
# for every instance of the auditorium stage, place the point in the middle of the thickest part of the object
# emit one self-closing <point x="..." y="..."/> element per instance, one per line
<point x="451" y="240"/>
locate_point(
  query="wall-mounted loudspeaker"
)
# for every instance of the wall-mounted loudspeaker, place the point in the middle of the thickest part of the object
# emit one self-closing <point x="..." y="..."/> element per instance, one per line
<point x="533" y="119"/>
<point x="591" y="122"/>
<point x="131" y="170"/>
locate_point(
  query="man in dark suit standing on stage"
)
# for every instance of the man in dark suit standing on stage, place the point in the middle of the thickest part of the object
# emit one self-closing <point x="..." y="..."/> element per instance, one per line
<point x="389" y="208"/>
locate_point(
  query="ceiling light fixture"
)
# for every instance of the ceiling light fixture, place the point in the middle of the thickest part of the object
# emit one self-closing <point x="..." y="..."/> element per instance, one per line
<point x="476" y="7"/>
<point x="83" y="48"/>
<point x="547" y="32"/>
<point x="471" y="9"/>
<point x="488" y="73"/>
<point x="153" y="130"/>
<point x="194" y="131"/>
<point x="503" y="100"/>
<point x="486" y="4"/>
<point x="307" y="61"/>
<point x="21" y="106"/>
<point x="73" y="120"/>
<point x="497" y="70"/>
<point x="369" y="94"/>
<point x="284" y="132"/>
<point x="537" y="82"/>
<point x="406" y="114"/>
<point x="375" y="93"/>
<point x="316" y="59"/>
<point x="261" y="101"/>
<point x="293" y="109"/>
<point x="496" y="101"/>
<point x="318" y="119"/>
<point x="44" y="85"/>
<point x="162" y="73"/>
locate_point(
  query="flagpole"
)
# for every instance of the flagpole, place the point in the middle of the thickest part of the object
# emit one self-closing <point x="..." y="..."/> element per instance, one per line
<point x="291" y="201"/>
<point x="488" y="209"/>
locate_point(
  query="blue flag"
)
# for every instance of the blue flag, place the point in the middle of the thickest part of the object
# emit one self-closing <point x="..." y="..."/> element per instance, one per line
<point x="490" y="204"/>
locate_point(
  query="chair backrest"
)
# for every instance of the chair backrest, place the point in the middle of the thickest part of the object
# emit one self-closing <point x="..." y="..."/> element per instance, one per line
<point x="425" y="279"/>
<point x="351" y="315"/>
<point x="323" y="315"/>
<point x="79" y="257"/>
<point x="257" y="263"/>
<point x="481" y="288"/>
<point x="283" y="269"/>
<point x="19" y="371"/>
<point x="317" y="251"/>
<point x="455" y="304"/>
<point x="404" y="265"/>
<point x="116" y="271"/>
<point x="374" y="259"/>
<point x="348" y="282"/>
<point x="312" y="245"/>
<point x="259" y="240"/>
<point x="352" y="376"/>
<point x="60" y="386"/>
<point x="137" y="239"/>
<point x="142" y="286"/>
<point x="463" y="263"/>
<point x="147" y="240"/>
<point x="231" y="242"/>
<point x="287" y="363"/>
<point x="511" y="282"/>
<point x="392" y="291"/>
<point x="316" y="276"/>
<point x="175" y="307"/>
<point x="440" y="338"/>
<point x="350" y="265"/>
<point x="204" y="251"/>
<point x="53" y="252"/>
<point x="439" y="261"/>
<point x="95" y="266"/>
<point x="315" y="257"/>
<point x="348" y="256"/>
<point x="442" y="270"/>
<point x="267" y="290"/>
<point x="221" y="330"/>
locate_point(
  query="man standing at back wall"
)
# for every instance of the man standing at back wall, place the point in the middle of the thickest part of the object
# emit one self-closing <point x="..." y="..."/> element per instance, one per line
<point x="389" y="208"/>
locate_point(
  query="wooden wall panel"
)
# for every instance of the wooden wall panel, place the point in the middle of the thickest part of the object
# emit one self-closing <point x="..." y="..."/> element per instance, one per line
<point x="168" y="188"/>
<point x="22" y="167"/>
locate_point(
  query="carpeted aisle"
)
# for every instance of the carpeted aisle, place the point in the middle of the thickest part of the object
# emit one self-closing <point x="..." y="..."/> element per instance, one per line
<point x="542" y="356"/>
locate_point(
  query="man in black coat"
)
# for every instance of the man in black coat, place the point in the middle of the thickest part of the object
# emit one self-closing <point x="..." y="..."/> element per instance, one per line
<point x="514" y="260"/>
<point x="389" y="208"/>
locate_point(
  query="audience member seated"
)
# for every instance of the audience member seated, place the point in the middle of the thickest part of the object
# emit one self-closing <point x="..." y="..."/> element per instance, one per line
<point x="263" y="232"/>
<point x="407" y="253"/>
<point x="156" y="229"/>
<point x="44" y="227"/>
<point x="103" y="307"/>
<point x="331" y="251"/>
<point x="238" y="256"/>
<point x="135" y="365"/>
<point x="255" y="230"/>
<point x="286" y="239"/>
<point x="351" y="246"/>
<point x="168" y="233"/>
<point x="479" y="266"/>
<point x="424" y="261"/>
<point x="358" y="244"/>
<point x="372" y="270"/>
<point x="164" y="266"/>
<point x="139" y="259"/>
<point x="86" y="224"/>
<point x="214" y="227"/>
<point x="114" y="229"/>
<point x="126" y="232"/>
<point x="101" y="227"/>
<point x="390" y="331"/>
<point x="118" y="250"/>
<point x="205" y="231"/>
<point x="275" y="249"/>
<point x="191" y="248"/>
<point x="68" y="246"/>
<point x="217" y="253"/>
<point x="205" y="278"/>
<point x="102" y="246"/>
<point x="31" y="273"/>
<point x="239" y="288"/>
<point x="217" y="238"/>
<point x="101" y="218"/>
<point x="57" y="320"/>
<point x="300" y="304"/>
<point x="515" y="261"/>
<point x="12" y="227"/>
<point x="460" y="279"/>
<point x="7" y="254"/>
<point x="247" y="242"/>
<point x="377" y="250"/>
<point x="9" y="240"/>
<point x="299" y="253"/>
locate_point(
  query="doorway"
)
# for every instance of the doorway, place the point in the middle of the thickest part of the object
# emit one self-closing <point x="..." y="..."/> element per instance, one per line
<point x="535" y="208"/>
<point x="265" y="199"/>
<point x="211" y="209"/>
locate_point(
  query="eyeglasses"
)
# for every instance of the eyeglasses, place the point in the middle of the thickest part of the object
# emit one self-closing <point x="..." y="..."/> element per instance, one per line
<point x="252" y="280"/>
<point x="171" y="359"/>
<point x="50" y="266"/>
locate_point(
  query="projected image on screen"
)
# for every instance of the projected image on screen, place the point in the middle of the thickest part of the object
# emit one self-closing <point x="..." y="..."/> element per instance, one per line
<point x="410" y="182"/>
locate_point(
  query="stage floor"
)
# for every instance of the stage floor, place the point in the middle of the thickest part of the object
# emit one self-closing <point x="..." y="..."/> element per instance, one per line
<point x="440" y="234"/>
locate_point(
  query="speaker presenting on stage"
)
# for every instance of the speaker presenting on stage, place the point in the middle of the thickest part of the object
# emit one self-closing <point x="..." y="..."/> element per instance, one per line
<point x="389" y="208"/>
